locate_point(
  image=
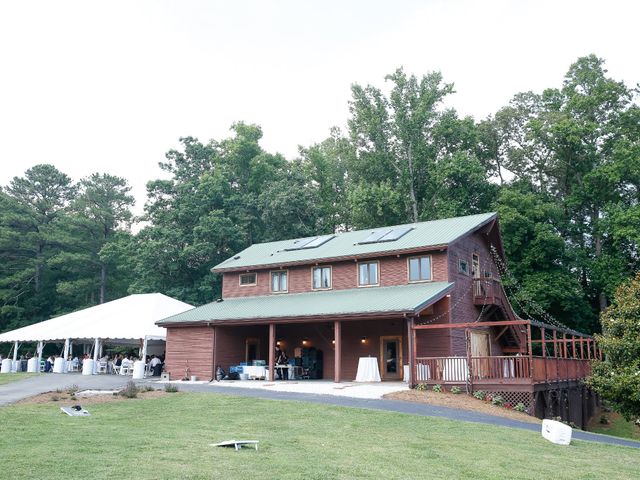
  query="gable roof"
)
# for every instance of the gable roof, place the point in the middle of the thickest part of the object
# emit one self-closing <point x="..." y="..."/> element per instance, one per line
<point x="357" y="302"/>
<point x="422" y="235"/>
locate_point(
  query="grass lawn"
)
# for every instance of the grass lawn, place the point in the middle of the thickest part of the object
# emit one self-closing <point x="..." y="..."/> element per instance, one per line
<point x="617" y="426"/>
<point x="169" y="436"/>
<point x="14" y="377"/>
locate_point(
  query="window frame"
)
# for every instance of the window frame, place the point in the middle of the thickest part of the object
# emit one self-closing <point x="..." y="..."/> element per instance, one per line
<point x="330" y="287"/>
<point x="367" y="285"/>
<point x="430" y="279"/>
<point x="279" y="272"/>
<point x="255" y="279"/>
<point x="466" y="269"/>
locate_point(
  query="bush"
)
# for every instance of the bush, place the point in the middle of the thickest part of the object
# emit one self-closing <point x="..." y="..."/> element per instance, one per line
<point x="72" y="389"/>
<point x="148" y="388"/>
<point x="520" y="407"/>
<point x="479" y="394"/>
<point x="437" y="388"/>
<point x="456" y="390"/>
<point x="170" y="388"/>
<point x="604" y="420"/>
<point x="130" y="390"/>
<point x="497" y="400"/>
<point x="55" y="398"/>
<point x="421" y="387"/>
<point x="508" y="405"/>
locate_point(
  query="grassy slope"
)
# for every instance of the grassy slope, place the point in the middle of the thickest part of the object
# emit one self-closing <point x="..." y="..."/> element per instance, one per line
<point x="618" y="427"/>
<point x="169" y="437"/>
<point x="14" y="377"/>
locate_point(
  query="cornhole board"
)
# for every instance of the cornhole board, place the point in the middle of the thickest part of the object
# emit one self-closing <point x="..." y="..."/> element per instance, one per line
<point x="72" y="412"/>
<point x="237" y="444"/>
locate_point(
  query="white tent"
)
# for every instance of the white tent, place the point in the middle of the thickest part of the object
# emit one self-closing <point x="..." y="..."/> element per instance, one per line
<point x="129" y="320"/>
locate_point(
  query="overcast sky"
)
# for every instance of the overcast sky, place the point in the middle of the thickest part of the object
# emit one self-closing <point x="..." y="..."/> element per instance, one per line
<point x="111" y="86"/>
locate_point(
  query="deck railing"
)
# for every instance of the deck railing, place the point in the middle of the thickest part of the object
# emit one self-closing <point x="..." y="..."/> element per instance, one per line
<point x="502" y="369"/>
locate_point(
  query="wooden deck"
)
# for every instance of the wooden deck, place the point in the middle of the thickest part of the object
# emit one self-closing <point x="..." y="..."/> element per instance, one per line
<point x="503" y="370"/>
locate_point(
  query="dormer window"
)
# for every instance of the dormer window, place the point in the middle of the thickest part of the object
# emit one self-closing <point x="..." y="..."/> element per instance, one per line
<point x="248" y="279"/>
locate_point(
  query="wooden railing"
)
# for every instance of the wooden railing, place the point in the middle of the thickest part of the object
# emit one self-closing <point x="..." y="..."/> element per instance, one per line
<point x="487" y="290"/>
<point x="503" y="369"/>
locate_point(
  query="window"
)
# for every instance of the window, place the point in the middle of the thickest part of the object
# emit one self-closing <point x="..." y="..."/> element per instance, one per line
<point x="247" y="279"/>
<point x="419" y="269"/>
<point x="463" y="266"/>
<point x="321" y="278"/>
<point x="279" y="281"/>
<point x="368" y="273"/>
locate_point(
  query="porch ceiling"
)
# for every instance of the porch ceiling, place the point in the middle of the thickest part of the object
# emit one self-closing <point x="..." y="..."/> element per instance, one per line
<point x="409" y="299"/>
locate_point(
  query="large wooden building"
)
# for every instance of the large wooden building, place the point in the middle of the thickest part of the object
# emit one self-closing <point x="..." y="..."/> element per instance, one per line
<point x="427" y="295"/>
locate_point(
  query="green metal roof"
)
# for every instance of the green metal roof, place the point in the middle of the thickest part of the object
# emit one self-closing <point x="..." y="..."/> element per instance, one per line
<point x="423" y="234"/>
<point x="359" y="301"/>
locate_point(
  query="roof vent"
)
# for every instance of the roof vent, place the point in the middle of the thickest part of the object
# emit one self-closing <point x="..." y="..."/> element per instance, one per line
<point x="219" y="300"/>
<point x="237" y="257"/>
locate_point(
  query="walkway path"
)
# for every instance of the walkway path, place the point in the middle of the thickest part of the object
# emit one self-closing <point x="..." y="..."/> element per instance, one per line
<point x="13" y="392"/>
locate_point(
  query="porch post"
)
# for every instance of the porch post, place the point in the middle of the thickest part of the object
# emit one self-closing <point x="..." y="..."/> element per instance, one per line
<point x="573" y="346"/>
<point x="272" y="350"/>
<point x="410" y="347"/>
<point x="589" y="348"/>
<point x="564" y="344"/>
<point x="555" y="344"/>
<point x="215" y="358"/>
<point x="582" y="348"/>
<point x="337" y="337"/>
<point x="544" y="347"/>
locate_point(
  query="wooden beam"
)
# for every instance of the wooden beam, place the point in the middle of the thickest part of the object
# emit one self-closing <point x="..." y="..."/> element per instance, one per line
<point x="471" y="324"/>
<point x="555" y="343"/>
<point x="544" y="346"/>
<point x="337" y="338"/>
<point x="573" y="347"/>
<point x="410" y="347"/>
<point x="272" y="351"/>
<point x="530" y="346"/>
<point x="502" y="332"/>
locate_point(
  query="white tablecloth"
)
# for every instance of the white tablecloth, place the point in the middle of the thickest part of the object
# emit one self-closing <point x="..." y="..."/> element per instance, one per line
<point x="368" y="370"/>
<point x="255" y="372"/>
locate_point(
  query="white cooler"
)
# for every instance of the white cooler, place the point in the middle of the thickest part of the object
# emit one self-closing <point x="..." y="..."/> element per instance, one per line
<point x="556" y="432"/>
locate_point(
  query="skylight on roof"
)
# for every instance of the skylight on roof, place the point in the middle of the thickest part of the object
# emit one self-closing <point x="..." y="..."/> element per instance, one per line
<point x="310" y="242"/>
<point x="386" y="235"/>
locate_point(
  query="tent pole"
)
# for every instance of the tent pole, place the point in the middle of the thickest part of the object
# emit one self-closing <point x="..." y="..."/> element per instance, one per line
<point x="96" y="347"/>
<point x="15" y="356"/>
<point x="39" y="350"/>
<point x="65" y="354"/>
<point x="144" y="350"/>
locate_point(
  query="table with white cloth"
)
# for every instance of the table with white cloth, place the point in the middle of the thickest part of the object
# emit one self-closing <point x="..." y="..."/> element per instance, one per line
<point x="368" y="370"/>
<point x="255" y="371"/>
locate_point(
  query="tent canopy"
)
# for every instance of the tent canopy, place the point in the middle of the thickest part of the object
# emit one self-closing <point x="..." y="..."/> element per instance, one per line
<point x="127" y="318"/>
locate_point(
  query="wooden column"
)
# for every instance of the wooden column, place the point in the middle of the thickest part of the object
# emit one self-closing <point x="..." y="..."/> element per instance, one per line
<point x="272" y="350"/>
<point x="564" y="344"/>
<point x="573" y="346"/>
<point x="589" y="348"/>
<point x="410" y="346"/>
<point x="337" y="338"/>
<point x="529" y="343"/>
<point x="555" y="344"/>
<point x="215" y="358"/>
<point x="581" y="348"/>
<point x="544" y="346"/>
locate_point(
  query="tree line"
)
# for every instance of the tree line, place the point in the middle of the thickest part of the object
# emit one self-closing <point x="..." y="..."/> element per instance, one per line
<point x="561" y="167"/>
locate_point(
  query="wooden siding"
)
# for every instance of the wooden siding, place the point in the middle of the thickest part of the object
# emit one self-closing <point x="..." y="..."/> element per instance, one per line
<point x="189" y="352"/>
<point x="393" y="271"/>
<point x="462" y="299"/>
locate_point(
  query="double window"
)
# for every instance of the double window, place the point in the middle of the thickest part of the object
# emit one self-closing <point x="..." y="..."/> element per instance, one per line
<point x="248" y="279"/>
<point x="420" y="269"/>
<point x="368" y="274"/>
<point x="321" y="278"/>
<point x="279" y="281"/>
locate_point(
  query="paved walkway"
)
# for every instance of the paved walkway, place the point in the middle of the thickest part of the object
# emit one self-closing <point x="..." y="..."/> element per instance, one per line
<point x="15" y="391"/>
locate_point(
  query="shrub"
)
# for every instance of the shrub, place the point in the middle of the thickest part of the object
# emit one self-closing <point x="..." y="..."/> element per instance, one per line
<point x="148" y="388"/>
<point x="421" y="387"/>
<point x="497" y="400"/>
<point x="508" y="405"/>
<point x="72" y="389"/>
<point x="604" y="420"/>
<point x="437" y="388"/>
<point x="479" y="394"/>
<point x="456" y="390"/>
<point x="55" y="398"/>
<point x="520" y="407"/>
<point x="170" y="388"/>
<point x="130" y="390"/>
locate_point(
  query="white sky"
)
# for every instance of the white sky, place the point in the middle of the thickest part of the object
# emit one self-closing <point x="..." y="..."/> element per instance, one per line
<point x="111" y="86"/>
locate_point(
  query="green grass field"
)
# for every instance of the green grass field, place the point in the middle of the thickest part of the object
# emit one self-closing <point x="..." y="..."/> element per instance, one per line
<point x="618" y="427"/>
<point x="169" y="437"/>
<point x="14" y="377"/>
